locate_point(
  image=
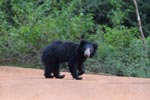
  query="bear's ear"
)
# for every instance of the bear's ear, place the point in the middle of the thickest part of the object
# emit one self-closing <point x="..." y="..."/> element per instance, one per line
<point x="83" y="42"/>
<point x="95" y="46"/>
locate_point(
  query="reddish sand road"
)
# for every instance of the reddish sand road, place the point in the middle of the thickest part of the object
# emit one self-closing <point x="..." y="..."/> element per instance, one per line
<point x="29" y="84"/>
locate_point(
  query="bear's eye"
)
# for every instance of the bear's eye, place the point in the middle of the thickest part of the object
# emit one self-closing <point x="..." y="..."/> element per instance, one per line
<point x="91" y="50"/>
<point x="90" y="47"/>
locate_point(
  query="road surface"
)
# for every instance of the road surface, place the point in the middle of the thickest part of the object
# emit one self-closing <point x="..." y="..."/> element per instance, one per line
<point x="29" y="84"/>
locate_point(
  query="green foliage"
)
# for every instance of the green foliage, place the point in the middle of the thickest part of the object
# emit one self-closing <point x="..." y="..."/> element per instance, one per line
<point x="122" y="53"/>
<point x="28" y="26"/>
<point x="37" y="25"/>
<point x="119" y="37"/>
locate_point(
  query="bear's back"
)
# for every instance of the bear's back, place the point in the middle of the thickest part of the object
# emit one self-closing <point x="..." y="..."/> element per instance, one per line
<point x="60" y="51"/>
<point x="64" y="50"/>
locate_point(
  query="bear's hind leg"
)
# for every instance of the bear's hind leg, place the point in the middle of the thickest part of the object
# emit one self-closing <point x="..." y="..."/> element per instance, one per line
<point x="56" y="72"/>
<point x="48" y="71"/>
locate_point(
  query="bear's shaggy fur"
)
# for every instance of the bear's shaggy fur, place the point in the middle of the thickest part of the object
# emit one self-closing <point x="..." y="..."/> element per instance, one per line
<point x="73" y="53"/>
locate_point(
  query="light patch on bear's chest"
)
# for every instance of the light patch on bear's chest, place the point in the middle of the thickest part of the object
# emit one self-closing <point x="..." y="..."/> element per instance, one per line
<point x="87" y="52"/>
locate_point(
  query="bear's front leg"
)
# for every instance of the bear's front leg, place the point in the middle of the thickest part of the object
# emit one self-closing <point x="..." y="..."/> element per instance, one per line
<point x="74" y="73"/>
<point x="81" y="69"/>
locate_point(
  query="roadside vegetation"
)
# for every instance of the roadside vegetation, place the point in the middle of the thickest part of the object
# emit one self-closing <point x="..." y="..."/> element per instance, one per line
<point x="26" y="26"/>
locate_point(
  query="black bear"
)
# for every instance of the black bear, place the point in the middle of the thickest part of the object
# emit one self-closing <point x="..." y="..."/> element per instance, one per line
<point x="73" y="53"/>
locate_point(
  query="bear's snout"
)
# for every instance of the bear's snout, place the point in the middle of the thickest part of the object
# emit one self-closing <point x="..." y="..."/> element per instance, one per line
<point x="87" y="53"/>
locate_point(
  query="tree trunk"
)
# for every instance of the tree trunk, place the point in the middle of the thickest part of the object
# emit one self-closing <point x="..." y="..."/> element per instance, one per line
<point x="139" y="22"/>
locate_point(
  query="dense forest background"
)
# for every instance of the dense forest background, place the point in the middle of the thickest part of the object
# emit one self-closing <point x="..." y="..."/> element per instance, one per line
<point x="26" y="26"/>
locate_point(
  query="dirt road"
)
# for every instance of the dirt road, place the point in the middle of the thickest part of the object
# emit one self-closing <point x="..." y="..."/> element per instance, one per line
<point x="29" y="84"/>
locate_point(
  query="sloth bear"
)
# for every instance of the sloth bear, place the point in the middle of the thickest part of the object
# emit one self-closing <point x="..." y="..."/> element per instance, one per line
<point x="73" y="53"/>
